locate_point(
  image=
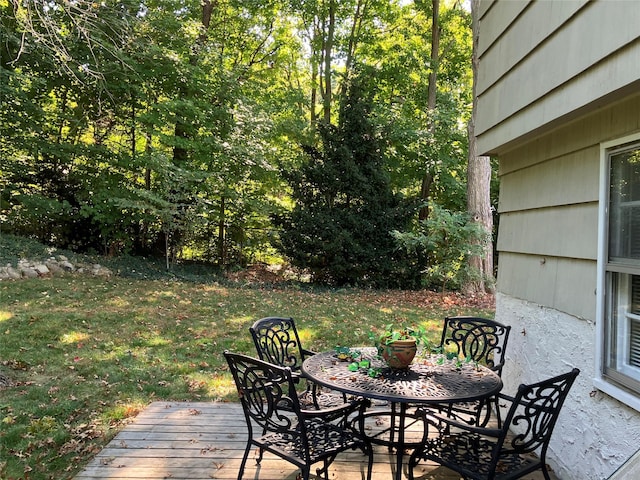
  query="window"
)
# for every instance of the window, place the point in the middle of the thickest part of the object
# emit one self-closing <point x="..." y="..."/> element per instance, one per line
<point x="619" y="342"/>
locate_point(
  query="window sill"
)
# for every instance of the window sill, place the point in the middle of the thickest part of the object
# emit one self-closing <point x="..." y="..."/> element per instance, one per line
<point x="618" y="393"/>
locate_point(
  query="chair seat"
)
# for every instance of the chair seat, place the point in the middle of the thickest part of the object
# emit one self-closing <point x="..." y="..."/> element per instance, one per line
<point x="324" y="399"/>
<point x="471" y="413"/>
<point x="471" y="454"/>
<point x="324" y="440"/>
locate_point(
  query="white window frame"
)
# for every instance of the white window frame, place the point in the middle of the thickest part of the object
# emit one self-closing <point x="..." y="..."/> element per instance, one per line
<point x="600" y="381"/>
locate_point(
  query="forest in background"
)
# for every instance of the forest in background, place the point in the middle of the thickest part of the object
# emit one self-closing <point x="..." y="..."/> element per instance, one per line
<point x="331" y="135"/>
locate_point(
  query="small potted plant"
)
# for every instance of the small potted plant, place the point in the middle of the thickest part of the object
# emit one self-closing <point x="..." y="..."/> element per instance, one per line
<point x="398" y="346"/>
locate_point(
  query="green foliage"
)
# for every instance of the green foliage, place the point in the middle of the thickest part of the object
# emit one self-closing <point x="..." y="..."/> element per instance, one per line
<point x="392" y="333"/>
<point x="418" y="139"/>
<point x="152" y="129"/>
<point x="13" y="247"/>
<point x="447" y="239"/>
<point x="340" y="228"/>
<point x="143" y="133"/>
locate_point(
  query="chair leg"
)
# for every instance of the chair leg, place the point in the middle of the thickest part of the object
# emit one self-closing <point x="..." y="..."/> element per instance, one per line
<point x="410" y="467"/>
<point x="244" y="461"/>
<point x="498" y="415"/>
<point x="392" y="429"/>
<point x="369" y="448"/>
<point x="261" y="450"/>
<point x="484" y="412"/>
<point x="414" y="458"/>
<point x="325" y="467"/>
<point x="314" y="396"/>
<point x="306" y="472"/>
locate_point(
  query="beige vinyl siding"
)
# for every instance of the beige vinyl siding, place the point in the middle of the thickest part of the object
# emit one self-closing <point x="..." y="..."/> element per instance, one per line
<point x="548" y="256"/>
<point x="566" y="285"/>
<point x="566" y="231"/>
<point x="498" y="21"/>
<point x="532" y="78"/>
<point x="527" y="34"/>
<point x="569" y="179"/>
<point x="614" y="121"/>
<point x="547" y="235"/>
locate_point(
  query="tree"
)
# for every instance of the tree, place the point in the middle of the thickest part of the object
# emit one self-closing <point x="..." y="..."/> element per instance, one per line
<point x="479" y="187"/>
<point x="57" y="29"/>
<point x="423" y="142"/>
<point x="123" y="123"/>
<point x="341" y="227"/>
<point x="434" y="61"/>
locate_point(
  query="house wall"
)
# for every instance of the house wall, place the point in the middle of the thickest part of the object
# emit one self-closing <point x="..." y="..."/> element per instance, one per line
<point x="547" y="270"/>
<point x="595" y="434"/>
<point x="556" y="79"/>
<point x="543" y="63"/>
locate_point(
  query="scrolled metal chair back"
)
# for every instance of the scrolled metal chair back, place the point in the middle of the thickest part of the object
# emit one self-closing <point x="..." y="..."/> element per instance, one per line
<point x="534" y="412"/>
<point x="479" y="339"/>
<point x="277" y="341"/>
<point x="266" y="392"/>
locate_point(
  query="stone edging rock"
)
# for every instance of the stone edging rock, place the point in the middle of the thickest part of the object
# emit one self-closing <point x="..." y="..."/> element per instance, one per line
<point x="52" y="266"/>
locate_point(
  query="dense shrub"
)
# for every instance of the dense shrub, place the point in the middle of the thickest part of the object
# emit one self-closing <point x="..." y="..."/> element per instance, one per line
<point x="341" y="226"/>
<point x="446" y="239"/>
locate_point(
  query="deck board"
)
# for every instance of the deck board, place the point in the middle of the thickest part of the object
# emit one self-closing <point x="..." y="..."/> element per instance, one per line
<point x="199" y="440"/>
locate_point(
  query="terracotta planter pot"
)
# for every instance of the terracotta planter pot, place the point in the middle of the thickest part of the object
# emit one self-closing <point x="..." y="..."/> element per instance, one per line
<point x="399" y="354"/>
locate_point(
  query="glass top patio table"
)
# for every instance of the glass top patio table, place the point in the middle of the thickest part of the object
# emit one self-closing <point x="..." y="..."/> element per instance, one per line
<point x="429" y="380"/>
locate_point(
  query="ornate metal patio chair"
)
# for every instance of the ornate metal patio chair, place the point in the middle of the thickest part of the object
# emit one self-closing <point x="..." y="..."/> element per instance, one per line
<point x="481" y="453"/>
<point x="480" y="340"/>
<point x="301" y="437"/>
<point x="277" y="341"/>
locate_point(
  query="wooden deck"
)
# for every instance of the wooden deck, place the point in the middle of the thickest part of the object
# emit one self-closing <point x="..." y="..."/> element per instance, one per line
<point x="206" y="441"/>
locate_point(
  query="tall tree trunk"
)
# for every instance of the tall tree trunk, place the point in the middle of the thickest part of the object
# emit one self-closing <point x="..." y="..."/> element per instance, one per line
<point x="359" y="16"/>
<point x="181" y="127"/>
<point x="435" y="57"/>
<point x="133" y="129"/>
<point x="221" y="233"/>
<point x="180" y="153"/>
<point x="356" y="27"/>
<point x="147" y="153"/>
<point x="478" y="185"/>
<point x="314" y="95"/>
<point x="315" y="61"/>
<point x="63" y="110"/>
<point x="328" y="47"/>
<point x="427" y="180"/>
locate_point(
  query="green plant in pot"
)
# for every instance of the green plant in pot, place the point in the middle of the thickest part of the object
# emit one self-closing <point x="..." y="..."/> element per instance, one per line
<point x="398" y="346"/>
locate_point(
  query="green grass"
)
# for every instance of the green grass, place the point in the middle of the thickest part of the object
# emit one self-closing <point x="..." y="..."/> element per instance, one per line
<point x="87" y="354"/>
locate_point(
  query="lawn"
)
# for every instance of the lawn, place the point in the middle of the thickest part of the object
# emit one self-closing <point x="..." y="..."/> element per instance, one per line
<point x="87" y="354"/>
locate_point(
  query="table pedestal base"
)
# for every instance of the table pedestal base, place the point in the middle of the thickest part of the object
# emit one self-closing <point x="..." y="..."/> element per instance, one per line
<point x="397" y="428"/>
